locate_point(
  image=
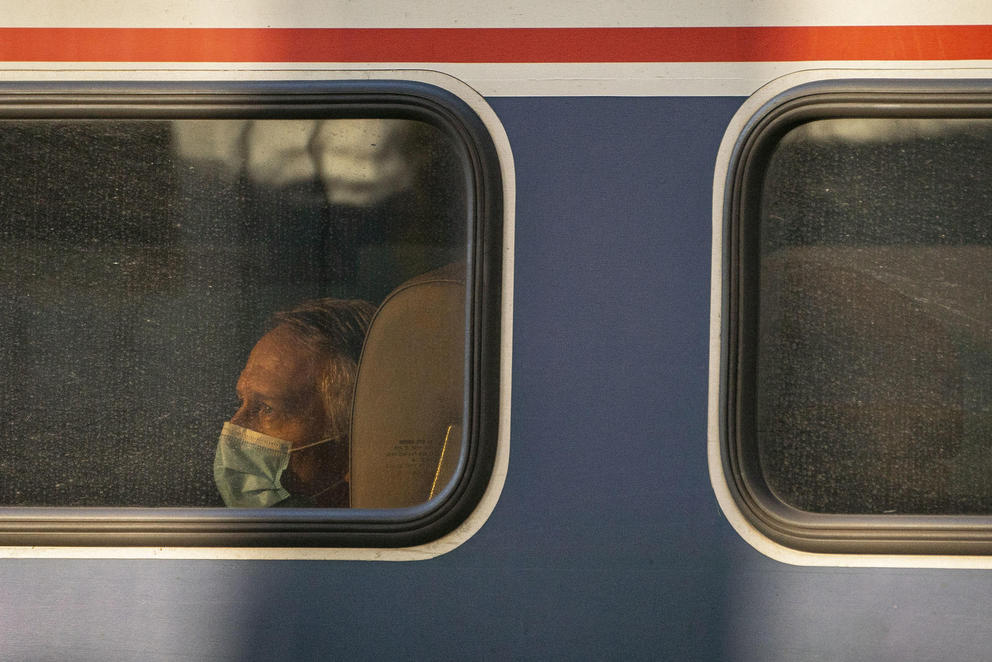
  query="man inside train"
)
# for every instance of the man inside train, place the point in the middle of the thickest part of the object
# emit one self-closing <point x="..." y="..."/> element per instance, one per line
<point x="287" y="444"/>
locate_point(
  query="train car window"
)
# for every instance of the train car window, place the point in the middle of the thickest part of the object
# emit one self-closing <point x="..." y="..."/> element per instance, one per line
<point x="860" y="371"/>
<point x="188" y="282"/>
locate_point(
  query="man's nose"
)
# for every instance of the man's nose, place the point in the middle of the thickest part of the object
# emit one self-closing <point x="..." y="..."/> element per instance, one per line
<point x="241" y="417"/>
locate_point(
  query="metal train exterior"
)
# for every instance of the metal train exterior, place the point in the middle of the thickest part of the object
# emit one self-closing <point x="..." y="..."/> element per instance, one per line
<point x="601" y="535"/>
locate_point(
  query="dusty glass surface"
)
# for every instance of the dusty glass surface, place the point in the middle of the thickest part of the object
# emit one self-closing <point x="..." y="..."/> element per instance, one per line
<point x="141" y="260"/>
<point x="874" y="361"/>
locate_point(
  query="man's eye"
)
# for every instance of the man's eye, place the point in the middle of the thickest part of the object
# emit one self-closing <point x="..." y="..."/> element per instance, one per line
<point x="265" y="409"/>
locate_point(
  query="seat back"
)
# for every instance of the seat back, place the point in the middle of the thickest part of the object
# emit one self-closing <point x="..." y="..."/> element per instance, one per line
<point x="406" y="429"/>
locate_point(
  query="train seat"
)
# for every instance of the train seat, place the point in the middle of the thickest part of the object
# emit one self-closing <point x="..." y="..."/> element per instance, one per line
<point x="406" y="430"/>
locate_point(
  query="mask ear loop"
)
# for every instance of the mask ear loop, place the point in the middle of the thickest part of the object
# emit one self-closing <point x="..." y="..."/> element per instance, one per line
<point x="311" y="445"/>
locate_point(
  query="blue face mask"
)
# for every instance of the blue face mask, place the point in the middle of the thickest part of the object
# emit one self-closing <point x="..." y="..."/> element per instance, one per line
<point x="248" y="467"/>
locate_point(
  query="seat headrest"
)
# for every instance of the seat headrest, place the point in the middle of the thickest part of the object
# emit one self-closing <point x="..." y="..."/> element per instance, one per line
<point x="406" y="428"/>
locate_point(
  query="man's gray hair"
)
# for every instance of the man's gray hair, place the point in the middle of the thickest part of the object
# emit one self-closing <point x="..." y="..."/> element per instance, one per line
<point x="334" y="329"/>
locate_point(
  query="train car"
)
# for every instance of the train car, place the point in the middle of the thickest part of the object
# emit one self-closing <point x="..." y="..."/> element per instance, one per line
<point x="465" y="330"/>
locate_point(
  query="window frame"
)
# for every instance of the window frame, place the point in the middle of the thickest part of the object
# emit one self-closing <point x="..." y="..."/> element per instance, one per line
<point x="299" y="533"/>
<point x="772" y="526"/>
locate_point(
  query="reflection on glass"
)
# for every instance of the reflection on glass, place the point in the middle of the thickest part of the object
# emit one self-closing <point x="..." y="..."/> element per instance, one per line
<point x="874" y="366"/>
<point x="142" y="260"/>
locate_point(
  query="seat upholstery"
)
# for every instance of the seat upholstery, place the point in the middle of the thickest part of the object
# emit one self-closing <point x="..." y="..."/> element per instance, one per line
<point x="406" y="434"/>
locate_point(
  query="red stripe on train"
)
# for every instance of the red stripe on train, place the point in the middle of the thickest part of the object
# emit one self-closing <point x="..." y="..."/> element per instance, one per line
<point x="736" y="44"/>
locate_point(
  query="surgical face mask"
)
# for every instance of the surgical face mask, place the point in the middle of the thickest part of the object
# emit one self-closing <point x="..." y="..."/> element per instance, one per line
<point x="248" y="467"/>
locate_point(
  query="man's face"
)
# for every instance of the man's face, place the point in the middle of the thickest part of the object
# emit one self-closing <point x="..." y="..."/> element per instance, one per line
<point x="279" y="390"/>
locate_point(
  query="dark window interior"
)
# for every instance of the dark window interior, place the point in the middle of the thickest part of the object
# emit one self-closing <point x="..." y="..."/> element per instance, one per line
<point x="868" y="350"/>
<point x="140" y="259"/>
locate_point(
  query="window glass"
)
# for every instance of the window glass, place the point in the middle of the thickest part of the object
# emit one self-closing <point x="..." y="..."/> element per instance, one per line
<point x="868" y="365"/>
<point x="142" y="259"/>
